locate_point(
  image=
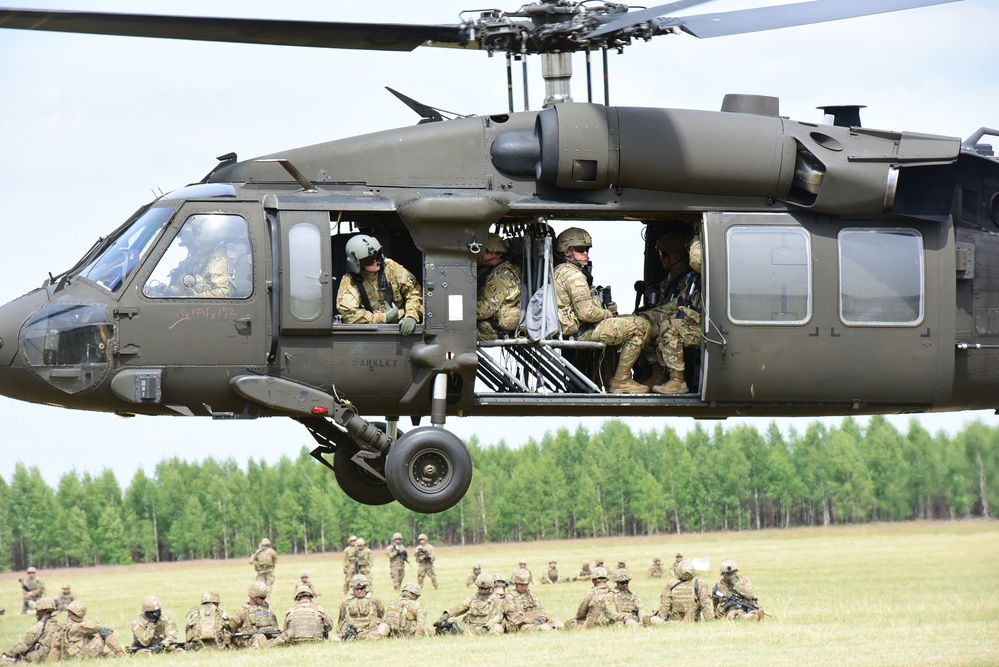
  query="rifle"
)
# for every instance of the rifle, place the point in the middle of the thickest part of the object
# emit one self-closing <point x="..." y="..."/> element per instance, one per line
<point x="422" y="555"/>
<point x="734" y="601"/>
<point x="349" y="633"/>
<point x="265" y="632"/>
<point x="158" y="647"/>
<point x="445" y="626"/>
<point x="403" y="553"/>
<point x="24" y="586"/>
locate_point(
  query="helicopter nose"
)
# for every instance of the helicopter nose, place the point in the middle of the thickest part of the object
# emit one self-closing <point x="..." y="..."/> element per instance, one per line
<point x="13" y="372"/>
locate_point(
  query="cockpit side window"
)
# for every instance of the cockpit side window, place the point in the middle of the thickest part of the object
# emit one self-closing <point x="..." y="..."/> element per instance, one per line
<point x="210" y="258"/>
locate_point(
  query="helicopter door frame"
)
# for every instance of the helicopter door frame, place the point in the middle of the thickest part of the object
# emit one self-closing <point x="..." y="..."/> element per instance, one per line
<point x="809" y="334"/>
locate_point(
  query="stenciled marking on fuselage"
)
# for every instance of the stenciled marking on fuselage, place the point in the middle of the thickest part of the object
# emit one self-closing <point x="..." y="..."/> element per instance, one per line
<point x="205" y="314"/>
<point x="375" y="363"/>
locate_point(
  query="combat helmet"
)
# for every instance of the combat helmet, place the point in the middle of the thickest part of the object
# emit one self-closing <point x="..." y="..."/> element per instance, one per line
<point x="303" y="590"/>
<point x="500" y="580"/>
<point x="359" y="581"/>
<point x="77" y="608"/>
<point x="360" y="542"/>
<point x="258" y="589"/>
<point x="210" y="596"/>
<point x="728" y="567"/>
<point x="671" y="240"/>
<point x="572" y="237"/>
<point x="686" y="570"/>
<point x="352" y="538"/>
<point x="422" y="536"/>
<point x="521" y="576"/>
<point x="599" y="573"/>
<point x="151" y="603"/>
<point x="397" y="536"/>
<point x="360" y="248"/>
<point x="45" y="604"/>
<point x="413" y="590"/>
<point x="622" y="574"/>
<point x="495" y="243"/>
<point x="484" y="581"/>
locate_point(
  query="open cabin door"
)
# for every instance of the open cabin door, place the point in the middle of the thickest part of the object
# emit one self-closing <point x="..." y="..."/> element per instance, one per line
<point x="813" y="310"/>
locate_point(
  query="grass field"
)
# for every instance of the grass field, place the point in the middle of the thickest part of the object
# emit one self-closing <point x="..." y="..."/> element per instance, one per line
<point x="882" y="594"/>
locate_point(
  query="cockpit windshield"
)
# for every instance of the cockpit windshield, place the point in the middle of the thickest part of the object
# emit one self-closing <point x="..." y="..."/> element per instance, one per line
<point x="112" y="267"/>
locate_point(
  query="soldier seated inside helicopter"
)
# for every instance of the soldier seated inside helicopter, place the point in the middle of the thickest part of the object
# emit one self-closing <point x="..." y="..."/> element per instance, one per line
<point x="209" y="258"/>
<point x="577" y="343"/>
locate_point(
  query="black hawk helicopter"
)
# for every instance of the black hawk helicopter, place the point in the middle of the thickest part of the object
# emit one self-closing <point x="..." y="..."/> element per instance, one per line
<point x="845" y="268"/>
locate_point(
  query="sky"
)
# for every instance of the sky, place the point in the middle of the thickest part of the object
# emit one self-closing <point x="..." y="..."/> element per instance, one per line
<point x="93" y="127"/>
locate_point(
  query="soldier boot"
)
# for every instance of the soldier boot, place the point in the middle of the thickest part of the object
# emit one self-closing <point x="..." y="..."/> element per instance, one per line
<point x="622" y="383"/>
<point x="657" y="377"/>
<point x="676" y="384"/>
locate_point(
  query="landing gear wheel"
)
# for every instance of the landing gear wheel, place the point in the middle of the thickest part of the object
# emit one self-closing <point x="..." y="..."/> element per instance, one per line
<point x="358" y="483"/>
<point x="428" y="470"/>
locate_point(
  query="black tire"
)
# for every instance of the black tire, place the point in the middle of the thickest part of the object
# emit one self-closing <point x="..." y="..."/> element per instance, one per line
<point x="428" y="470"/>
<point x="359" y="484"/>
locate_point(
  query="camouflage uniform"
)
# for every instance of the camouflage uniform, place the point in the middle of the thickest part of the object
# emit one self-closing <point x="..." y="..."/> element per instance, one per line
<point x="209" y="268"/>
<point x="407" y="294"/>
<point x="207" y="627"/>
<point x="656" y="571"/>
<point x="37" y="642"/>
<point x="407" y="616"/>
<point x="364" y="613"/>
<point x="592" y="611"/>
<point x="483" y="612"/>
<point x="64" y="598"/>
<point x="151" y="629"/>
<point x="676" y="319"/>
<point x="625" y="608"/>
<point x="470" y="579"/>
<point x="253" y="617"/>
<point x="425" y="562"/>
<point x="522" y="610"/>
<point x="363" y="560"/>
<point x="304" y="579"/>
<point x="397" y="556"/>
<point x="551" y="575"/>
<point x="581" y="315"/>
<point x="305" y="622"/>
<point x="264" y="561"/>
<point x="731" y="583"/>
<point x="585" y="573"/>
<point x="498" y="306"/>
<point x="349" y="552"/>
<point x="79" y="638"/>
<point x="674" y="569"/>
<point x="36" y="589"/>
<point x="685" y="598"/>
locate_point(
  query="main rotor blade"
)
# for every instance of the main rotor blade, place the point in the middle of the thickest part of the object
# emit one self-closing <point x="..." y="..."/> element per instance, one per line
<point x="643" y="15"/>
<point x="330" y="35"/>
<point x="786" y="16"/>
<point x="760" y="19"/>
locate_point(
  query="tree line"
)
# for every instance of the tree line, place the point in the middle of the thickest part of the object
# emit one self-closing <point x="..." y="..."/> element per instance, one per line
<point x="567" y="485"/>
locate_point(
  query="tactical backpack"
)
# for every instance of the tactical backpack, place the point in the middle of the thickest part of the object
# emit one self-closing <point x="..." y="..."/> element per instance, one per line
<point x="209" y="625"/>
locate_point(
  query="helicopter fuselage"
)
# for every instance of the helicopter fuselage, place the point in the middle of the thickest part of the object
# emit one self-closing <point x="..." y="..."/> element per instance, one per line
<point x="846" y="271"/>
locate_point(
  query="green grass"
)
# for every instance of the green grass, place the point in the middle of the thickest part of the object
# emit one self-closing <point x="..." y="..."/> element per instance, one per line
<point x="882" y="594"/>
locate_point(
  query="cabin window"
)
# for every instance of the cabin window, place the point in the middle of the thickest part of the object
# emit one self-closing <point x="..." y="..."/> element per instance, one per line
<point x="305" y="265"/>
<point x="210" y="258"/>
<point x="881" y="276"/>
<point x="769" y="275"/>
